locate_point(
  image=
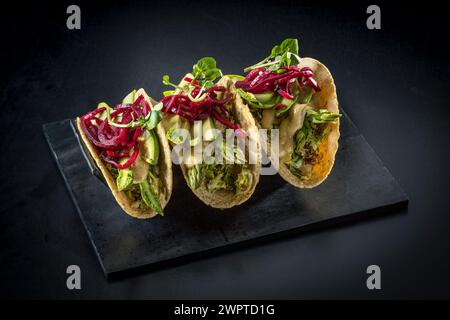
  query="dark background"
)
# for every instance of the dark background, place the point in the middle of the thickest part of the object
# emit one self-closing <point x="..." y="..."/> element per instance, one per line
<point x="392" y="82"/>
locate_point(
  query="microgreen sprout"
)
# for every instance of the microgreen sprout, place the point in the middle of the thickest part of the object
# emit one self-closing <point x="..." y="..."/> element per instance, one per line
<point x="281" y="55"/>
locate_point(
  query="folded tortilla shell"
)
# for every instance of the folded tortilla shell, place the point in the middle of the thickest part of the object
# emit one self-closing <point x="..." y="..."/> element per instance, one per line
<point x="225" y="199"/>
<point x="164" y="163"/>
<point x="324" y="99"/>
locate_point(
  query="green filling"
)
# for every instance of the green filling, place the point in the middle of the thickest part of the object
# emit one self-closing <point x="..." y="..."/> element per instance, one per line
<point x="144" y="192"/>
<point x="228" y="177"/>
<point x="307" y="139"/>
<point x="263" y="103"/>
<point x="140" y="182"/>
<point x="259" y="102"/>
<point x="124" y="179"/>
<point x="150" y="197"/>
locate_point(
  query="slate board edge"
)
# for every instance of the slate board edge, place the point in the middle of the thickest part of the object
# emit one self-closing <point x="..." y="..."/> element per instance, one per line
<point x="47" y="138"/>
<point x="298" y="229"/>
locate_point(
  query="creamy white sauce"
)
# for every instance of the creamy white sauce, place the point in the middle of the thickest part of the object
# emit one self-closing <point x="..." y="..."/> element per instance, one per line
<point x="140" y="166"/>
<point x="289" y="127"/>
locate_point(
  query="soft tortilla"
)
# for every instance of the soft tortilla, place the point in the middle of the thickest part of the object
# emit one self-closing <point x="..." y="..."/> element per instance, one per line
<point x="224" y="199"/>
<point x="324" y="99"/>
<point x="165" y="164"/>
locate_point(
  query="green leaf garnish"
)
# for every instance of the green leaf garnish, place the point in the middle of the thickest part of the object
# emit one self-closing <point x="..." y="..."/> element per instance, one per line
<point x="166" y="81"/>
<point x="288" y="45"/>
<point x="168" y="93"/>
<point x="284" y="54"/>
<point x="205" y="71"/>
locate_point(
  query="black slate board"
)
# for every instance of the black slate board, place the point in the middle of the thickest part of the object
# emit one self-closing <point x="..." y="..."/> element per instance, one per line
<point x="359" y="185"/>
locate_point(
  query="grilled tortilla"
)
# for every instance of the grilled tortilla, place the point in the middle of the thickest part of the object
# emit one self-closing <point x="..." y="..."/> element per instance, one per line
<point x="164" y="164"/>
<point x="223" y="198"/>
<point x="327" y="148"/>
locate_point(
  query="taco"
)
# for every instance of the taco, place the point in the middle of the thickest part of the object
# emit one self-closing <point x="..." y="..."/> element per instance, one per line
<point x="298" y="97"/>
<point x="129" y="146"/>
<point x="209" y="113"/>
